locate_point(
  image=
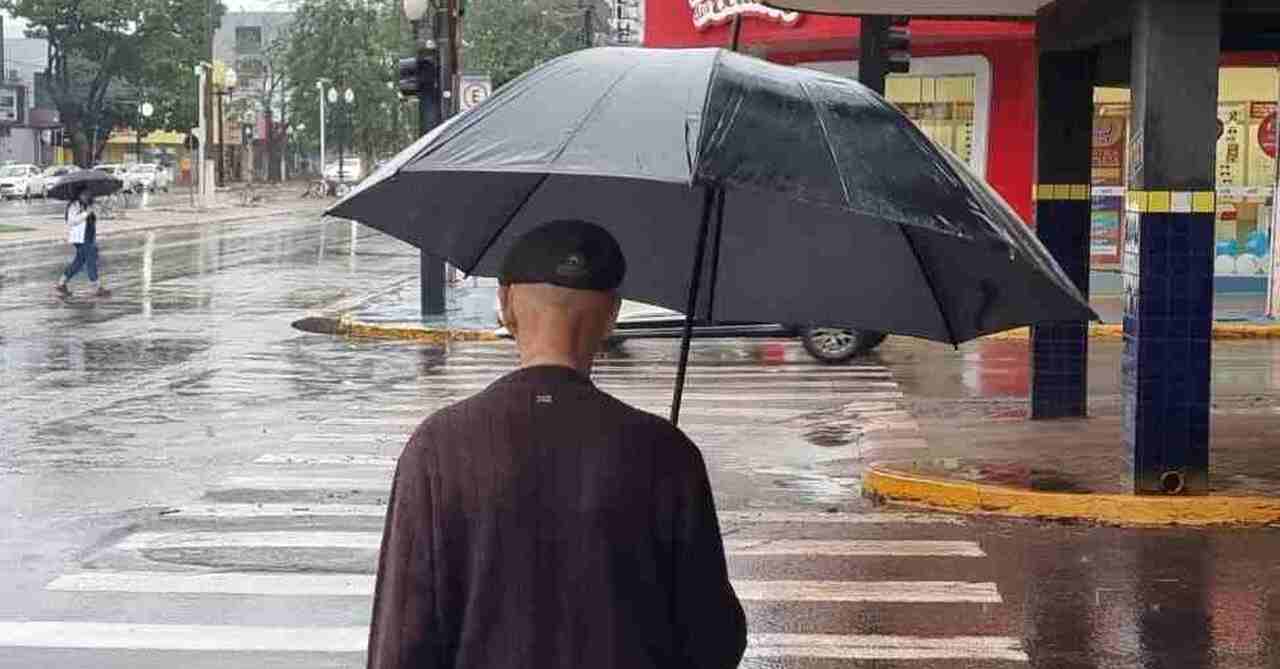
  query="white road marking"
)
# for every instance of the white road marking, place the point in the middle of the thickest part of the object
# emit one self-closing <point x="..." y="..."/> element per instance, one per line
<point x="818" y="517"/>
<point x="372" y="540"/>
<point x="380" y="483"/>
<point x="357" y="459"/>
<point x="275" y="510"/>
<point x="354" y="639"/>
<point x="280" y="539"/>
<point x="852" y="548"/>
<point x="54" y="634"/>
<point x="878" y="647"/>
<point x="234" y="510"/>
<point x="361" y="585"/>
<point x="339" y="438"/>
<point x="868" y="591"/>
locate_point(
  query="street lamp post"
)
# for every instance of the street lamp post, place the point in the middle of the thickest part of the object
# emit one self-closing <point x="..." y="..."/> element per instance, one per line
<point x="320" y="88"/>
<point x="229" y="82"/>
<point x="349" y="98"/>
<point x="145" y="110"/>
<point x="431" y="268"/>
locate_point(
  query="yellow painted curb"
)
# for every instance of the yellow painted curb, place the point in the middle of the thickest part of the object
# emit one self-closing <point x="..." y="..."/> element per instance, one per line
<point x="350" y="328"/>
<point x="980" y="498"/>
<point x="1221" y="331"/>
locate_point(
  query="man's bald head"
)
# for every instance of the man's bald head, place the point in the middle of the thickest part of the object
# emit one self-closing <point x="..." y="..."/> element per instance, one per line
<point x="556" y="325"/>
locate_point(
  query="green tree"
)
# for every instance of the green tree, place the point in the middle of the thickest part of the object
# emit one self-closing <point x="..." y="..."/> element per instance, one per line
<point x="105" y="54"/>
<point x="506" y="38"/>
<point x="346" y="44"/>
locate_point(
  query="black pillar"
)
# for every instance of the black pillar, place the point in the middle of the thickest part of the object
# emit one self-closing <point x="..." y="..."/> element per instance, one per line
<point x="872" y="67"/>
<point x="1060" y="351"/>
<point x="1168" y="244"/>
<point x="431" y="279"/>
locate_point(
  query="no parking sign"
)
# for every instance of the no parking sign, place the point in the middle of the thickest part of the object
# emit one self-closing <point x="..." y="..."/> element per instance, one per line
<point x="475" y="88"/>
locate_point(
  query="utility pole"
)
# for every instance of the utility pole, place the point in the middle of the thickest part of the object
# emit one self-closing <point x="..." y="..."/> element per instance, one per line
<point x="430" y="114"/>
<point x="207" y="82"/>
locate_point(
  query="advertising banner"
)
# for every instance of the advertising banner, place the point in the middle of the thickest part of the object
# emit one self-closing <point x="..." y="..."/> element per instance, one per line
<point x="1231" y="134"/>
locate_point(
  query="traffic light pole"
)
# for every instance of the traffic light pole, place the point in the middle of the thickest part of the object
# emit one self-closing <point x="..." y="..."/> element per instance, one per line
<point x="873" y="66"/>
<point x="431" y="268"/>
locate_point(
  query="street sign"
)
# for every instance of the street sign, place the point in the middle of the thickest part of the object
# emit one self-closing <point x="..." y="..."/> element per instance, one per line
<point x="475" y="89"/>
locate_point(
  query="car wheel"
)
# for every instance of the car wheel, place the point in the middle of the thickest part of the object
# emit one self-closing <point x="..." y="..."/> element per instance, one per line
<point x="836" y="345"/>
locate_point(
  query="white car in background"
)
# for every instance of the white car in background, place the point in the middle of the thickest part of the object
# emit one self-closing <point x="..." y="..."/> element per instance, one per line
<point x="15" y="180"/>
<point x="350" y="171"/>
<point x="118" y="171"/>
<point x="49" y="178"/>
<point x="149" y="177"/>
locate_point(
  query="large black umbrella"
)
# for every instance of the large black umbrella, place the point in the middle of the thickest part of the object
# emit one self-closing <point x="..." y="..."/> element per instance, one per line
<point x="97" y="182"/>
<point x="739" y="190"/>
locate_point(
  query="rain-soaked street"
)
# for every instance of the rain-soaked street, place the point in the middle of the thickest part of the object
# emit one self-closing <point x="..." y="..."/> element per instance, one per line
<point x="188" y="481"/>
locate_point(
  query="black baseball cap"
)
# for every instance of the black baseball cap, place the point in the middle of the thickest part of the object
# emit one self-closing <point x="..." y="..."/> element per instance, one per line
<point x="570" y="254"/>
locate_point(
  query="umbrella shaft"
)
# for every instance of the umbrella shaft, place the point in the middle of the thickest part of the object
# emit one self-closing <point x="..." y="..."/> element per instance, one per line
<point x="695" y="282"/>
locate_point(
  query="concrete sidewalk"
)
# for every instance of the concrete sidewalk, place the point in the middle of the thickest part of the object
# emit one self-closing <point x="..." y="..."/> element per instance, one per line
<point x="976" y="450"/>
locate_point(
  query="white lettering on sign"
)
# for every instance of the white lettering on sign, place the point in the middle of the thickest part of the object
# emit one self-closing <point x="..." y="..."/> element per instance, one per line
<point x="474" y="90"/>
<point x="707" y="13"/>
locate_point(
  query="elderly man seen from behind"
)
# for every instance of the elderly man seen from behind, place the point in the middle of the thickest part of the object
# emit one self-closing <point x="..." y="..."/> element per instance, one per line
<point x="543" y="523"/>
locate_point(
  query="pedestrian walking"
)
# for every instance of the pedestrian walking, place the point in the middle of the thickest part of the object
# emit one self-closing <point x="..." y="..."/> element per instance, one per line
<point x="82" y="232"/>
<point x="543" y="523"/>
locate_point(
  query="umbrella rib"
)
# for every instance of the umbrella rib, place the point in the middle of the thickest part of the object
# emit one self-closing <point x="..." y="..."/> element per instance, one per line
<point x="831" y="149"/>
<point x="928" y="280"/>
<point x="702" y="116"/>
<point x="595" y="107"/>
<point x="502" y="228"/>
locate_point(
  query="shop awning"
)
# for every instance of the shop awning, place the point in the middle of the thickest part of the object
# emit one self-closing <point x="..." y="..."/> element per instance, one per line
<point x="934" y="8"/>
<point x="158" y="137"/>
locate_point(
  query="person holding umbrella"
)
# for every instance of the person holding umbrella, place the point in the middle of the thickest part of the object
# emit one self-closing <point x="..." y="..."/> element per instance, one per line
<point x="543" y="523"/>
<point x="82" y="222"/>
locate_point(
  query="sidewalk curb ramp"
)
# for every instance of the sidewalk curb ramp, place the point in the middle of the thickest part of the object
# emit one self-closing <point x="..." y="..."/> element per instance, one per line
<point x="343" y="326"/>
<point x="895" y="483"/>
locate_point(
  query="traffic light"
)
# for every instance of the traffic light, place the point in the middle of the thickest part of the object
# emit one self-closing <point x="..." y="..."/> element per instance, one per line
<point x="417" y="76"/>
<point x="897" y="46"/>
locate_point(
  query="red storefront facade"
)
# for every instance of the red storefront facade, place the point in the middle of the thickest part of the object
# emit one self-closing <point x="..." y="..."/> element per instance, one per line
<point x="997" y="59"/>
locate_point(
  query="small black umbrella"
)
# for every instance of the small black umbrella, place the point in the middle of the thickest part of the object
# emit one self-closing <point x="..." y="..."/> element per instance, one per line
<point x="97" y="182"/>
<point x="740" y="190"/>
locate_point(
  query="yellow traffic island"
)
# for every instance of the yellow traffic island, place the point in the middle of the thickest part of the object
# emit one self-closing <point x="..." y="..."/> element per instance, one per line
<point x="1222" y="330"/>
<point x="903" y="483"/>
<point x="344" y="326"/>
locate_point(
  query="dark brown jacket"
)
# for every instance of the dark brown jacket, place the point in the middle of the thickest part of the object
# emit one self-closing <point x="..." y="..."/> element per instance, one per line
<point x="545" y="524"/>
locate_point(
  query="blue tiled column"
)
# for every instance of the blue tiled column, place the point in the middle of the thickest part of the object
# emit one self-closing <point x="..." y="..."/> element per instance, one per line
<point x="1168" y="245"/>
<point x="1060" y="351"/>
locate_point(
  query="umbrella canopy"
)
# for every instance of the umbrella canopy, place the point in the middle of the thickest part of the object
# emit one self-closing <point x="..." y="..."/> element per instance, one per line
<point x="97" y="182"/>
<point x="739" y="190"/>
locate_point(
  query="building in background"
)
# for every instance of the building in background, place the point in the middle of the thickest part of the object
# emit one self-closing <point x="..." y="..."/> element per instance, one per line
<point x="249" y="42"/>
<point x="30" y="131"/>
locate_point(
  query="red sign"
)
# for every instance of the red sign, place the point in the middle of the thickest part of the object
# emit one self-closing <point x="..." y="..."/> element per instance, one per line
<point x="1267" y="135"/>
<point x="707" y="13"/>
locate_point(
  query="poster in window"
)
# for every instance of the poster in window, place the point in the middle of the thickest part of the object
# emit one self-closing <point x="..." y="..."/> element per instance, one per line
<point x="1262" y="150"/>
<point x="1231" y="149"/>
<point x="1108" y="150"/>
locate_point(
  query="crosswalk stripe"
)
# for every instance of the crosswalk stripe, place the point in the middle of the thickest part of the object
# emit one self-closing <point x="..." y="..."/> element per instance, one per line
<point x="882" y="647"/>
<point x="868" y="591"/>
<point x="361" y="585"/>
<point x="373" y="540"/>
<point x="380" y="483"/>
<point x="131" y="636"/>
<point x="235" y="510"/>
<point x="852" y="548"/>
<point x="332" y="437"/>
<point x="354" y="639"/>
<point x="355" y="459"/>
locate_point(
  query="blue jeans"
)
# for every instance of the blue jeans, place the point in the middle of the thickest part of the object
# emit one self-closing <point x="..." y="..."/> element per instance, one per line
<point x="86" y="258"/>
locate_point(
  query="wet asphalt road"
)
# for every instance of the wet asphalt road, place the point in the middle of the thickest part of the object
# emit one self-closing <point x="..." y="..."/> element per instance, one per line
<point x="187" y="481"/>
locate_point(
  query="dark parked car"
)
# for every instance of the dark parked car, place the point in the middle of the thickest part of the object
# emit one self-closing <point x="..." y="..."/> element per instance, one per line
<point x="829" y="344"/>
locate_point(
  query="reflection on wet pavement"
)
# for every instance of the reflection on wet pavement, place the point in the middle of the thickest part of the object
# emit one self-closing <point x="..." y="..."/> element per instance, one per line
<point x="166" y="451"/>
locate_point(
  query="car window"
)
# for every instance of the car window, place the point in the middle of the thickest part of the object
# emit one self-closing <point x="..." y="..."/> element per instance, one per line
<point x="13" y="171"/>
